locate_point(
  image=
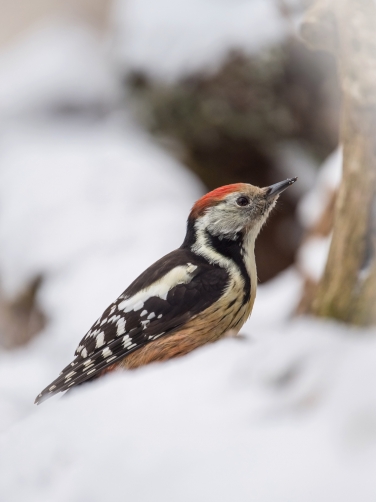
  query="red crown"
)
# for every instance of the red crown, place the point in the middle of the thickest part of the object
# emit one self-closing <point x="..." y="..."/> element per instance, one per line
<point x="214" y="197"/>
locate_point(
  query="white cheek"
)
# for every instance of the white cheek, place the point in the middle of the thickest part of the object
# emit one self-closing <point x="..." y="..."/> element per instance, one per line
<point x="225" y="221"/>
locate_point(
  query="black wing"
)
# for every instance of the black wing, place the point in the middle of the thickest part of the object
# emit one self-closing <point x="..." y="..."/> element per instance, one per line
<point x="117" y="333"/>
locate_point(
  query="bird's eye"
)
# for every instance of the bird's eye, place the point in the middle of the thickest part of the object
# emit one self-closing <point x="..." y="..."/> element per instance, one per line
<point x="242" y="201"/>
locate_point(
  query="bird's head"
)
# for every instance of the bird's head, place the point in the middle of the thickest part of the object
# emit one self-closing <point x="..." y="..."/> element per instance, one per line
<point x="238" y="208"/>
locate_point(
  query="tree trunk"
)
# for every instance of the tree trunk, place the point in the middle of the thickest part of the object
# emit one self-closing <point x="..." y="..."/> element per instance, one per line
<point x="347" y="290"/>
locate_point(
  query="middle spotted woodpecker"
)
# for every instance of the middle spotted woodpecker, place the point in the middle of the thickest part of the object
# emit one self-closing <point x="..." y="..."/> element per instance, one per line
<point x="192" y="296"/>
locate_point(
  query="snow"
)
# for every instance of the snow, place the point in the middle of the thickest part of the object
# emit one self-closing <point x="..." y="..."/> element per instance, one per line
<point x="168" y="39"/>
<point x="290" y="158"/>
<point x="314" y="203"/>
<point x="312" y="256"/>
<point x="277" y="298"/>
<point x="80" y="190"/>
<point x="313" y="252"/>
<point x="286" y="414"/>
<point x="56" y="65"/>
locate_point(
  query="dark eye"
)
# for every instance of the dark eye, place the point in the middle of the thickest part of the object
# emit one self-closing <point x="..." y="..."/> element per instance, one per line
<point x="242" y="201"/>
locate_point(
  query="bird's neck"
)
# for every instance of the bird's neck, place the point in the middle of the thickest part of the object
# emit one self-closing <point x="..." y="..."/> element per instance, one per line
<point x="235" y="253"/>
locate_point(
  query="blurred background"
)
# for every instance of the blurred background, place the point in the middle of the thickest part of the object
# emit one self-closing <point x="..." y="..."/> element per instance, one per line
<point x="115" y="116"/>
<point x="233" y="95"/>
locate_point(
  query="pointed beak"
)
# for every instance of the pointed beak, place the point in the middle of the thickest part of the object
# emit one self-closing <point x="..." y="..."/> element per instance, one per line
<point x="278" y="188"/>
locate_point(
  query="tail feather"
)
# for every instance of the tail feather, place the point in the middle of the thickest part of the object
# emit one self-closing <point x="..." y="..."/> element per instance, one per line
<point x="81" y="370"/>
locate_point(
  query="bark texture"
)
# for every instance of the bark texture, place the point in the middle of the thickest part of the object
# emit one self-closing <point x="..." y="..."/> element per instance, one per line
<point x="347" y="290"/>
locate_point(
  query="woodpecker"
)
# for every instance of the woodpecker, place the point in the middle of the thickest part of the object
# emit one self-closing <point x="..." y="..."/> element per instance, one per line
<point x="192" y="296"/>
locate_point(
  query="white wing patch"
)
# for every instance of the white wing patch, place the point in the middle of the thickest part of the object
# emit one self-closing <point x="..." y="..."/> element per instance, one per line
<point x="102" y="333"/>
<point x="178" y="275"/>
<point x="120" y="327"/>
<point x="100" y="340"/>
<point x="127" y="340"/>
<point x="106" y="352"/>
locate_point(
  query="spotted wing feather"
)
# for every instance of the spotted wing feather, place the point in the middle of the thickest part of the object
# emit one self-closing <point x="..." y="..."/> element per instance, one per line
<point x="119" y="332"/>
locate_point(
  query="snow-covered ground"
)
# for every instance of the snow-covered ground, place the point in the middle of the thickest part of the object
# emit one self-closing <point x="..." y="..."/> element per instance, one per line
<point x="88" y="201"/>
<point x="287" y="414"/>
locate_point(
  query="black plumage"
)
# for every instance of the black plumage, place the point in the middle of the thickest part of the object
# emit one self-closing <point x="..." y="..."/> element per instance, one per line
<point x="182" y="302"/>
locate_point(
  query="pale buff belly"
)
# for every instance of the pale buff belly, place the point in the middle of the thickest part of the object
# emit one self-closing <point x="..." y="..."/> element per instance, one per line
<point x="228" y="314"/>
